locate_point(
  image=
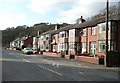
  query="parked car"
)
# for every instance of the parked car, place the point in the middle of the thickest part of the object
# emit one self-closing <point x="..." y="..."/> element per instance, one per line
<point x="27" y="51"/>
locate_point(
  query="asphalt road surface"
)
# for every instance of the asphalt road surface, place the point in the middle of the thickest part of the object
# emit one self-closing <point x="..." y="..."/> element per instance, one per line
<point x="20" y="67"/>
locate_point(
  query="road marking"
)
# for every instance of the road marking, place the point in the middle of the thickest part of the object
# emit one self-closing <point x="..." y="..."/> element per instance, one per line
<point x="50" y="70"/>
<point x="53" y="64"/>
<point x="57" y="65"/>
<point x="26" y="60"/>
<point x="81" y="72"/>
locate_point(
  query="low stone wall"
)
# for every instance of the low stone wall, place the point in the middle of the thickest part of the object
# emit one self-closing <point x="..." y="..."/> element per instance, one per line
<point x="88" y="59"/>
<point x="51" y="54"/>
<point x="67" y="56"/>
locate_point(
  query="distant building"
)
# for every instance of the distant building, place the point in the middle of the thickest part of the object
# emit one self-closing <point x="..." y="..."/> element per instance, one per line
<point x="20" y="43"/>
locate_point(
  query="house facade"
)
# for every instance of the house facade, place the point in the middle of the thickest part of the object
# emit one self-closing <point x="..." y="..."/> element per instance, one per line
<point x="94" y="38"/>
<point x="86" y="36"/>
<point x="20" y="43"/>
<point x="44" y="41"/>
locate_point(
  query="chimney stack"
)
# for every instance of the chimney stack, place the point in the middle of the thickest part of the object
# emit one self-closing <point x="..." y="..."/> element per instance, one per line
<point x="38" y="33"/>
<point x="80" y="20"/>
<point x="56" y="26"/>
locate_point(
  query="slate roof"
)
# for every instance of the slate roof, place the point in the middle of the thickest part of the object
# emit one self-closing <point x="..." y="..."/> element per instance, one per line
<point x="85" y="24"/>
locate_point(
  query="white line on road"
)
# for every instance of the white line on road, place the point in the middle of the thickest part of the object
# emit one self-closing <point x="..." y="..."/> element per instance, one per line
<point x="50" y="70"/>
<point x="26" y="60"/>
<point x="81" y="72"/>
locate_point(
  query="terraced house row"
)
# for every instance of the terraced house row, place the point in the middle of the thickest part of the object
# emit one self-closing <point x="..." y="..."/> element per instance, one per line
<point x="72" y="41"/>
<point x="84" y="36"/>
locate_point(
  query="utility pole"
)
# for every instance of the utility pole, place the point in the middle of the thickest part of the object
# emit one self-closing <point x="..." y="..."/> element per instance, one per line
<point x="107" y="13"/>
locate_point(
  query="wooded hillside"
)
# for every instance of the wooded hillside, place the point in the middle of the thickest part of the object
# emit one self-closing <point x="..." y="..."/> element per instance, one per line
<point x="11" y="34"/>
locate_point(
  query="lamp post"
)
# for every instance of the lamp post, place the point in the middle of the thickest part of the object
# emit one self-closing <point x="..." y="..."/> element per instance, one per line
<point x="107" y="12"/>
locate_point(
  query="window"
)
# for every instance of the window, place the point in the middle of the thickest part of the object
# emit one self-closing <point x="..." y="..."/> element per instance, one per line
<point x="72" y="33"/>
<point x="102" y="46"/>
<point x="113" y="27"/>
<point x="42" y="37"/>
<point x="71" y="46"/>
<point x="60" y="46"/>
<point x="112" y="45"/>
<point x="62" y="34"/>
<point x="84" y="32"/>
<point x="102" y="27"/>
<point x="93" y="30"/>
<point x="84" y="45"/>
<point x="47" y="38"/>
<point x="47" y="46"/>
<point x="54" y="47"/>
<point x="63" y="46"/>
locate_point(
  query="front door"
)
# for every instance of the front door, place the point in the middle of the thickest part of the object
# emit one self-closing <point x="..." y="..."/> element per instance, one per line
<point x="93" y="48"/>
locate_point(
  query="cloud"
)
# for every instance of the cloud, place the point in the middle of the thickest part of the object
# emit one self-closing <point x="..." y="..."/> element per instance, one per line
<point x="14" y="1"/>
<point x="44" y="6"/>
<point x="41" y="6"/>
<point x="80" y="8"/>
<point x="11" y="20"/>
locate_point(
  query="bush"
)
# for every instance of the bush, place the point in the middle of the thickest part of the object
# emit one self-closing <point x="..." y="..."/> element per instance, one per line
<point x="62" y="53"/>
<point x="86" y="54"/>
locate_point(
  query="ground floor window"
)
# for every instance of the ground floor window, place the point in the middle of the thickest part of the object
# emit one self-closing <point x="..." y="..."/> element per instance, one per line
<point x="112" y="45"/>
<point x="42" y="47"/>
<point x="74" y="47"/>
<point x="102" y="46"/>
<point x="47" y="47"/>
<point x="71" y="46"/>
<point x="62" y="46"/>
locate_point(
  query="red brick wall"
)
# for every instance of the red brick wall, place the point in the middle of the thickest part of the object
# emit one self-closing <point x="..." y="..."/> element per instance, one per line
<point x="91" y="38"/>
<point x="88" y="59"/>
<point x="29" y="42"/>
<point x="51" y="54"/>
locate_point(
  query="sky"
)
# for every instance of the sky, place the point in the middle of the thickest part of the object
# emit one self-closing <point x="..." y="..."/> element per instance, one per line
<point x="29" y="12"/>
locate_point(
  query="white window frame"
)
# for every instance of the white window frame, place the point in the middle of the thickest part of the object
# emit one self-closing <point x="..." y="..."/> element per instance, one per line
<point x="93" y="30"/>
<point x="72" y="33"/>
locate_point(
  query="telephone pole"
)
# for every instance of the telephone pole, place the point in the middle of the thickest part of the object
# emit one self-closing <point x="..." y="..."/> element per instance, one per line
<point x="107" y="13"/>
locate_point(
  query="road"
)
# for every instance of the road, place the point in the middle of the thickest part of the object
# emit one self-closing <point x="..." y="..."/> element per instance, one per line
<point x="20" y="67"/>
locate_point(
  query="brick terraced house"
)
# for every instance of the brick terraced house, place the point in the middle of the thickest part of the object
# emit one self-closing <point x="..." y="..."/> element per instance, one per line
<point x="84" y="36"/>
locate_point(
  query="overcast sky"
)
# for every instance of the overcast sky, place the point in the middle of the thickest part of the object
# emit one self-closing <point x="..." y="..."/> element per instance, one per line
<point x="29" y="12"/>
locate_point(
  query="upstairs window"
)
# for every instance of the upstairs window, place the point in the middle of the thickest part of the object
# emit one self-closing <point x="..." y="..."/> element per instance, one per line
<point x="102" y="27"/>
<point x="93" y="30"/>
<point x="72" y="33"/>
<point x="84" y="45"/>
<point x="84" y="32"/>
<point x="47" y="38"/>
